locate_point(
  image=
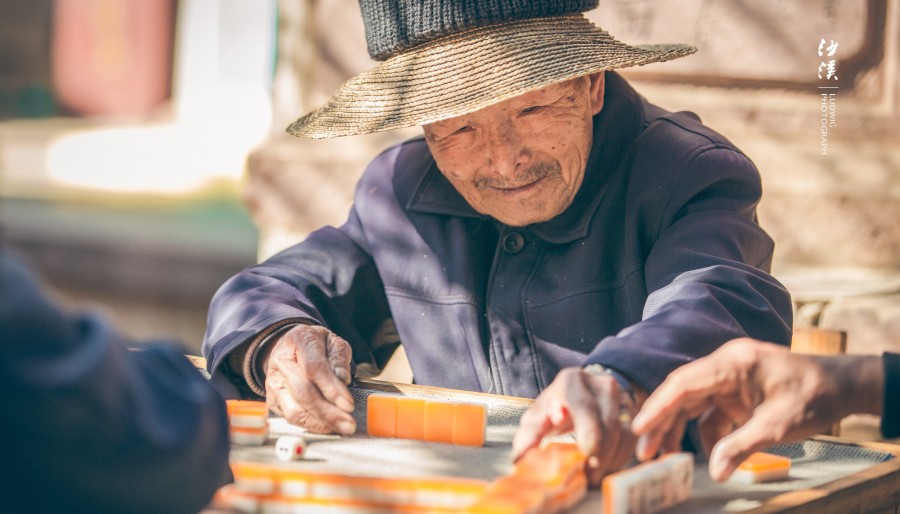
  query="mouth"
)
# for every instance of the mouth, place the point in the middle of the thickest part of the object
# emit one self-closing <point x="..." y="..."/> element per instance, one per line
<point x="518" y="189"/>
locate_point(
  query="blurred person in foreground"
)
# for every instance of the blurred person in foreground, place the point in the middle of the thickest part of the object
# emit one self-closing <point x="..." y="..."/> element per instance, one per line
<point x="750" y="394"/>
<point x="90" y="425"/>
<point x="552" y="234"/>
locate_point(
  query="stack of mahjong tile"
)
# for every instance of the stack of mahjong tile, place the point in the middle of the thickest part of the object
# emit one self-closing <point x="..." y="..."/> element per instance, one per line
<point x="546" y="480"/>
<point x="649" y="487"/>
<point x="248" y="422"/>
<point x="267" y="488"/>
<point x="408" y="417"/>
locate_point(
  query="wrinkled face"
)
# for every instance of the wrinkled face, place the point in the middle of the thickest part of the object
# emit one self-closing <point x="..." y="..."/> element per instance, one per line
<point x="522" y="160"/>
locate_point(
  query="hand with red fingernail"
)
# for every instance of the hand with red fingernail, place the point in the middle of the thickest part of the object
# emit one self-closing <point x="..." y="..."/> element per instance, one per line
<point x="592" y="406"/>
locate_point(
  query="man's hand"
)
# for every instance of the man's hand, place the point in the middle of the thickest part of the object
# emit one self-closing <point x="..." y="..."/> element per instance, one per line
<point x="750" y="395"/>
<point x="595" y="408"/>
<point x="307" y="373"/>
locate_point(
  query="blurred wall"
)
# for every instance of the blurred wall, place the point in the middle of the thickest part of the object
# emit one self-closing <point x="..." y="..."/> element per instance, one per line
<point x="25" y="58"/>
<point x="122" y="145"/>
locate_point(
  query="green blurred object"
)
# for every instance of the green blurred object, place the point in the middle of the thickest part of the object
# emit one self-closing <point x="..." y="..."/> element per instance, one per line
<point x="32" y="101"/>
<point x="217" y="224"/>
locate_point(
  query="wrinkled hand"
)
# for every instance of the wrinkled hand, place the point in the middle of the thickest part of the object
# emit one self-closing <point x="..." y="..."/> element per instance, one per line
<point x="307" y="373"/>
<point x="595" y="408"/>
<point x="749" y="395"/>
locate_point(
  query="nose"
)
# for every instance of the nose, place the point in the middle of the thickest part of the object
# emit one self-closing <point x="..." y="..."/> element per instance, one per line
<point x="506" y="150"/>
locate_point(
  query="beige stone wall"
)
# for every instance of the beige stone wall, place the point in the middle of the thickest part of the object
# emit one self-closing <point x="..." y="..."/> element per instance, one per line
<point x="755" y="79"/>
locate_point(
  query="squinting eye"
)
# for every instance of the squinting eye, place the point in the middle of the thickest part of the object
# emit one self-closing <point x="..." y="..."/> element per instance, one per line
<point x="461" y="130"/>
<point x="533" y="108"/>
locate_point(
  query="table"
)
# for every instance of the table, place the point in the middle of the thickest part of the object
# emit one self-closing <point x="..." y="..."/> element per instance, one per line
<point x="829" y="475"/>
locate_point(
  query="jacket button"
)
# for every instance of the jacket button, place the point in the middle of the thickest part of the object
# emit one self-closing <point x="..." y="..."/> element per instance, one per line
<point x="513" y="242"/>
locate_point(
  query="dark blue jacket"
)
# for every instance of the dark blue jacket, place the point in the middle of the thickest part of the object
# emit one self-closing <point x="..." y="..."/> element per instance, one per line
<point x="658" y="260"/>
<point x="90" y="426"/>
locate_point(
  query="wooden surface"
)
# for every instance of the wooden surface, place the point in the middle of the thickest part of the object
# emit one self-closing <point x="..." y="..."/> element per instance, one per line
<point x="819" y="341"/>
<point x="875" y="489"/>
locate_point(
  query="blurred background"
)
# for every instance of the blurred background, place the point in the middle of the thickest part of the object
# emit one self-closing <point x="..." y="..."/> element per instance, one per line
<point x="125" y="129"/>
<point x="143" y="158"/>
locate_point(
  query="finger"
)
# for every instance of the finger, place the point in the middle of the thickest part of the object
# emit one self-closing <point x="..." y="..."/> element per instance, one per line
<point x="546" y="417"/>
<point x="333" y="381"/>
<point x="314" y="359"/>
<point x="533" y="426"/>
<point x="689" y="387"/>
<point x="648" y="445"/>
<point x="602" y="419"/>
<point x="310" y="402"/>
<point x="671" y="442"/>
<point x="733" y="449"/>
<point x="283" y="404"/>
<point x="280" y="401"/>
<point x="624" y="448"/>
<point x="585" y="413"/>
<point x="651" y="436"/>
<point x="714" y="425"/>
<point x="663" y="439"/>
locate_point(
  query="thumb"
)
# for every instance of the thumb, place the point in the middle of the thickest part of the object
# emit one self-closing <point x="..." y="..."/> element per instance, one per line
<point x="339" y="355"/>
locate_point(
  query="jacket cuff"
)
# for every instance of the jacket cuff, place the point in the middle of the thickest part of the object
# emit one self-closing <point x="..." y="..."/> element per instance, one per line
<point x="251" y="367"/>
<point x="624" y="383"/>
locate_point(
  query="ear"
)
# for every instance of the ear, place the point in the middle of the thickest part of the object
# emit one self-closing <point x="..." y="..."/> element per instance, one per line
<point x="596" y="90"/>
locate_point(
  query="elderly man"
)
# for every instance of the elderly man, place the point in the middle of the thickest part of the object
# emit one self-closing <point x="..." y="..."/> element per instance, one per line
<point x="552" y="231"/>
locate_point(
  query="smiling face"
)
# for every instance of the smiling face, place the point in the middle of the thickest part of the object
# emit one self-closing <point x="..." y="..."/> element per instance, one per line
<point x="522" y="160"/>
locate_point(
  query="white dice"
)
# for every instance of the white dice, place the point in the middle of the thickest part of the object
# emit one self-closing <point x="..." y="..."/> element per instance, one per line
<point x="289" y="447"/>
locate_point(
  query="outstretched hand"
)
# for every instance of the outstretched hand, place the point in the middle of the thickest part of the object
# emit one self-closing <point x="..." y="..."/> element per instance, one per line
<point x="749" y="395"/>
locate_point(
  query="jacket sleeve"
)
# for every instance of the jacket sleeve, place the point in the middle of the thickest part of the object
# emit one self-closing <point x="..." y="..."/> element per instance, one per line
<point x="93" y="426"/>
<point x="706" y="272"/>
<point x="328" y="279"/>
<point x="890" y="416"/>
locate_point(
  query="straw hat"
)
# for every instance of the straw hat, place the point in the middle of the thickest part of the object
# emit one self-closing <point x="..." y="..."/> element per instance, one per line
<point x="445" y="58"/>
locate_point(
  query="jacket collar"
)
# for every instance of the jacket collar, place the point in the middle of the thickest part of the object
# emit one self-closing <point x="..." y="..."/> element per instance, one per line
<point x="615" y="128"/>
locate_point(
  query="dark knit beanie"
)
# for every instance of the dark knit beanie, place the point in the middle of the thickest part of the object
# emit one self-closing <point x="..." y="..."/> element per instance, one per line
<point x="395" y="25"/>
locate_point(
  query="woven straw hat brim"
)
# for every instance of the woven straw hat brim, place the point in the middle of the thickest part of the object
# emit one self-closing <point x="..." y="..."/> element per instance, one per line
<point x="468" y="71"/>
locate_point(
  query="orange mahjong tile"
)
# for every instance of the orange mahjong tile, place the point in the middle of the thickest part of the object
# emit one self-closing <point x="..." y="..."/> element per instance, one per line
<point x="569" y="494"/>
<point x="381" y="415"/>
<point x="567" y="457"/>
<point x="469" y="422"/>
<point x="551" y="464"/>
<point x="439" y="421"/>
<point x="247" y="408"/>
<point x="228" y="497"/>
<point x="410" y="417"/>
<point x="447" y="493"/>
<point x="255" y="478"/>
<point x="762" y="467"/>
<point x="511" y="494"/>
<point x="761" y="461"/>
